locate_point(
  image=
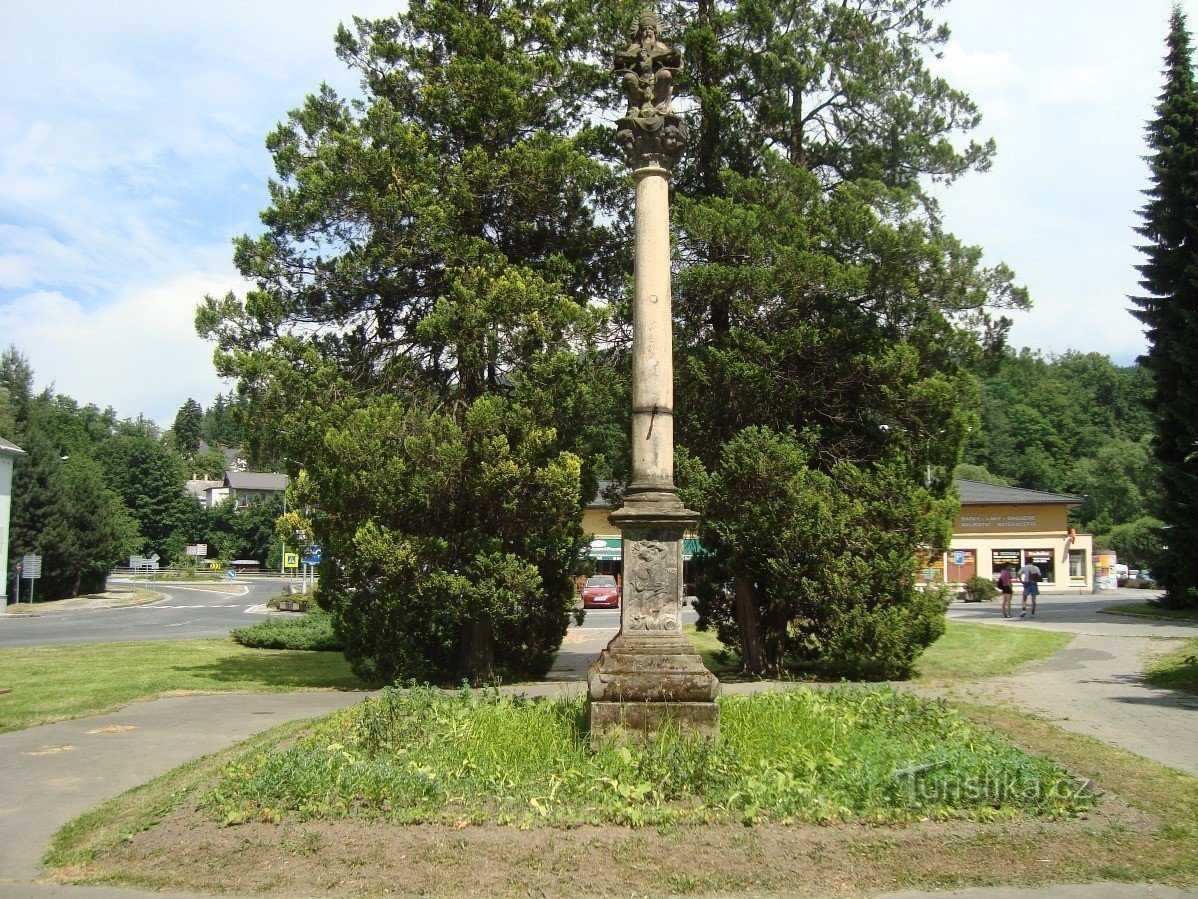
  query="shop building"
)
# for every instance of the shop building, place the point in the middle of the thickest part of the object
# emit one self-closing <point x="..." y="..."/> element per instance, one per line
<point x="996" y="526"/>
<point x="1000" y="526"/>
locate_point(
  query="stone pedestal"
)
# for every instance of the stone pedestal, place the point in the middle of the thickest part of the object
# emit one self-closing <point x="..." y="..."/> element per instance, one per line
<point x="650" y="677"/>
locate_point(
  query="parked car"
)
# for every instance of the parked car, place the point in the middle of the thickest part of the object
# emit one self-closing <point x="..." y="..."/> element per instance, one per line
<point x="601" y="592"/>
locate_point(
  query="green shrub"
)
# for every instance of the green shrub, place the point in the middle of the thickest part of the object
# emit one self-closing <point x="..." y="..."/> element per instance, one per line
<point x="823" y="559"/>
<point x="801" y="755"/>
<point x="980" y="589"/>
<point x="304" y="600"/>
<point x="313" y="631"/>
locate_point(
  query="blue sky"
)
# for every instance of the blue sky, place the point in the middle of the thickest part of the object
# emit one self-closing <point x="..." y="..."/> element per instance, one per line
<point x="131" y="152"/>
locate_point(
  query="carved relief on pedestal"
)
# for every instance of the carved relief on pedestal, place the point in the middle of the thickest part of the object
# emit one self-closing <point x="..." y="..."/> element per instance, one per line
<point x="650" y="132"/>
<point x="651" y="585"/>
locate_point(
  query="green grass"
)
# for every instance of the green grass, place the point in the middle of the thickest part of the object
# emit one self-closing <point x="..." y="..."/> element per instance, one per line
<point x="984" y="650"/>
<point x="52" y="683"/>
<point x="421" y="755"/>
<point x="313" y="631"/>
<point x="966" y="651"/>
<point x="1176" y="670"/>
<point x="1151" y="610"/>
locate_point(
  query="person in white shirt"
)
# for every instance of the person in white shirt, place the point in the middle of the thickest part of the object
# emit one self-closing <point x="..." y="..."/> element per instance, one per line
<point x="1030" y="575"/>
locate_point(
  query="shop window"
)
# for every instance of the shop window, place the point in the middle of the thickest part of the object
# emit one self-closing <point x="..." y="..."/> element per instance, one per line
<point x="1002" y="557"/>
<point x="1045" y="560"/>
<point x="931" y="569"/>
<point x="1077" y="565"/>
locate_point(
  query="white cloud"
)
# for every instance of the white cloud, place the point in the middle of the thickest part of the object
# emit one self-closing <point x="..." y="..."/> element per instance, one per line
<point x="139" y="353"/>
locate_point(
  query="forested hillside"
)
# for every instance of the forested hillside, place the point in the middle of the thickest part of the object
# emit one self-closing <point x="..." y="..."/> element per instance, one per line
<point x="93" y="488"/>
<point x="1075" y="423"/>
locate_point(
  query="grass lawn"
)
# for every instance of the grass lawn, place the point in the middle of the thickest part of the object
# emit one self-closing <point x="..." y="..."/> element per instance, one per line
<point x="51" y="683"/>
<point x="985" y="650"/>
<point x="966" y="651"/>
<point x="1151" y="610"/>
<point x="168" y="834"/>
<point x="1176" y="670"/>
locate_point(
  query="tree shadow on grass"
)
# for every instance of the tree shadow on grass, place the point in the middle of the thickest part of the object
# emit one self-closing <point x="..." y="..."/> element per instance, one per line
<point x="272" y="669"/>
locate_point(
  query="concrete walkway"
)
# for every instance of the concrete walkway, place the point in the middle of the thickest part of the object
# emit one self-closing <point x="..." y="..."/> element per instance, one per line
<point x="1094" y="686"/>
<point x="53" y="773"/>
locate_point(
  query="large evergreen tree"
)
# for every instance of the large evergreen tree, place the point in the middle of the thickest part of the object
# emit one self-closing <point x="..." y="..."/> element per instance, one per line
<point x="419" y="333"/>
<point x="1169" y="309"/>
<point x="824" y="315"/>
<point x="188" y="427"/>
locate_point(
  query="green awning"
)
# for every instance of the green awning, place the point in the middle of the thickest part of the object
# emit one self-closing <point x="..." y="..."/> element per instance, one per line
<point x="608" y="549"/>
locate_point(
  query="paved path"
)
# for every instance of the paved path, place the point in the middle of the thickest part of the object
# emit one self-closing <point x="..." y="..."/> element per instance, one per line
<point x="53" y="773"/>
<point x="1094" y="685"/>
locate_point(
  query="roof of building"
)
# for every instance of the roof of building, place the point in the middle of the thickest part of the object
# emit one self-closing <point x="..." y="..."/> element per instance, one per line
<point x="10" y="449"/>
<point x="255" y="480"/>
<point x="975" y="493"/>
<point x="199" y="486"/>
<point x="603" y="495"/>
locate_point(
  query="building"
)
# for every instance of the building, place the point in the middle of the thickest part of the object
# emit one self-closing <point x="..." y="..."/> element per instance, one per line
<point x="8" y="454"/>
<point x="200" y="487"/>
<point x="996" y="526"/>
<point x="1000" y="526"/>
<point x="247" y="488"/>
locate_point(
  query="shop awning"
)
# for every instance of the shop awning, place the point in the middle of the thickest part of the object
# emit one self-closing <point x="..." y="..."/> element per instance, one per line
<point x="608" y="549"/>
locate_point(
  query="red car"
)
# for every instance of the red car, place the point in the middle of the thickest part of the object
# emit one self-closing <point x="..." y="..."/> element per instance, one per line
<point x="601" y="592"/>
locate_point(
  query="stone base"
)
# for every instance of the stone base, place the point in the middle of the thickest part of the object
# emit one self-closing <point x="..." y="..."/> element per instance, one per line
<point x="660" y="668"/>
<point x="642" y="721"/>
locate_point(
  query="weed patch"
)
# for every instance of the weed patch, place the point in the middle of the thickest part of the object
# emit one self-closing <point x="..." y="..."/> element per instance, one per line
<point x="851" y="754"/>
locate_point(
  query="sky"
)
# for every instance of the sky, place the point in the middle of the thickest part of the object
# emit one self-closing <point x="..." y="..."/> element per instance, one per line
<point x="132" y="152"/>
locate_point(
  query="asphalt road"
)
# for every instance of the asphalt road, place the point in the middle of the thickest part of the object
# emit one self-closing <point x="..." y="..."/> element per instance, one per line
<point x="187" y="612"/>
<point x="193" y="611"/>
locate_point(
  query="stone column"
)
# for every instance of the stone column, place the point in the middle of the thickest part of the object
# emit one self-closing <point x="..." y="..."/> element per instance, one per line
<point x="650" y="676"/>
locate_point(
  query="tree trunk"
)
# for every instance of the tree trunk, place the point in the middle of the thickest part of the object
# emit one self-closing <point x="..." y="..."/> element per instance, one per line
<point x="777" y="617"/>
<point x="76" y="583"/>
<point x="478" y="650"/>
<point x="752" y="650"/>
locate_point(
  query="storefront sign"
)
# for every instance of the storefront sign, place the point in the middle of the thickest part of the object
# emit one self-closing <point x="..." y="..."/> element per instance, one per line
<point x="999" y="522"/>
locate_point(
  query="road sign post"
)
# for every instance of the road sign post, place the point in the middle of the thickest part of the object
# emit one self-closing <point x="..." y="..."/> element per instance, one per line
<point x="31" y="570"/>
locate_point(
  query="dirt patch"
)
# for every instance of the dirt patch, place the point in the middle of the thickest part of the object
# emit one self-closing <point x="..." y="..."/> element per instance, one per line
<point x="186" y="850"/>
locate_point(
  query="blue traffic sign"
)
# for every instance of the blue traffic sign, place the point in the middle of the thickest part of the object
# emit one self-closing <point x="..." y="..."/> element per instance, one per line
<point x="312" y="555"/>
<point x="958" y="558"/>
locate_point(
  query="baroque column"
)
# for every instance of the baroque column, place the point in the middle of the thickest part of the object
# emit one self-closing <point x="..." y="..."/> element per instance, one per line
<point x="650" y="674"/>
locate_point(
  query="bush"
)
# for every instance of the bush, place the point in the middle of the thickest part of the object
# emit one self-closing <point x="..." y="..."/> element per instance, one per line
<point x="453" y="558"/>
<point x="820" y="563"/>
<point x="313" y="631"/>
<point x="980" y="589"/>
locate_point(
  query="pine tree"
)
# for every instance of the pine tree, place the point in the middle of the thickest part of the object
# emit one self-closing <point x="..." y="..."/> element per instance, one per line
<point x="1169" y="309"/>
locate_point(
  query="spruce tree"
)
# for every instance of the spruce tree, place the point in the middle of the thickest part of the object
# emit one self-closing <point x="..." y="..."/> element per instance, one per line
<point x="188" y="427"/>
<point x="1169" y="310"/>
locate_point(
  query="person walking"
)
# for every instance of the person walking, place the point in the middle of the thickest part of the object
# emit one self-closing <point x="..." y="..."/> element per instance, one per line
<point x="1030" y="575"/>
<point x="1005" y="586"/>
